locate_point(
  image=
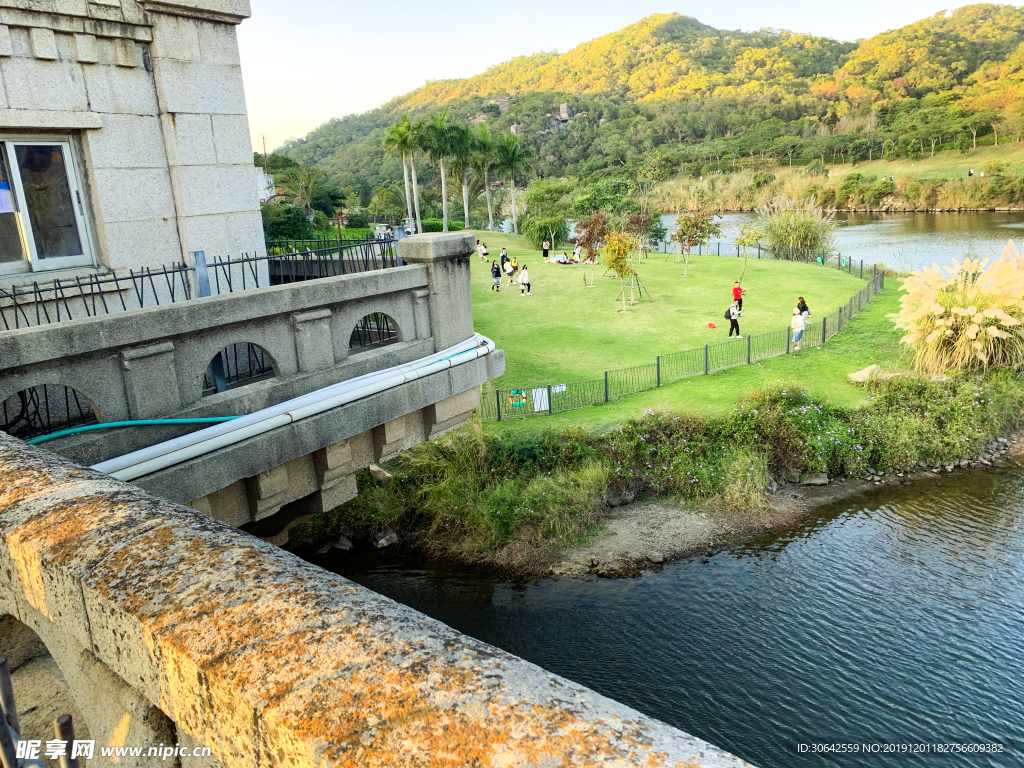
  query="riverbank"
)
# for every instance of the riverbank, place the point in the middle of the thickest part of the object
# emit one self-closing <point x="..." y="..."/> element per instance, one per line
<point x="527" y="503"/>
<point x="643" y="536"/>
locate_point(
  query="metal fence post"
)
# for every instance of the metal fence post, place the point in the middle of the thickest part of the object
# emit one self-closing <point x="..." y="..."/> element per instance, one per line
<point x="64" y="730"/>
<point x="862" y="269"/>
<point x="7" y="697"/>
<point x="658" y="363"/>
<point x="606" y="386"/>
<point x="497" y="396"/>
<point x="220" y="382"/>
<point x="705" y="359"/>
<point x="824" y="329"/>
<point x="748" y="349"/>
<point x="550" y="408"/>
<point x="788" y="335"/>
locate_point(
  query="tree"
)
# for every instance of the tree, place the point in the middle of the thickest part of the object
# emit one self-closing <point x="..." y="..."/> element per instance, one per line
<point x="591" y="234"/>
<point x="440" y="140"/>
<point x="483" y="158"/>
<point x="693" y="229"/>
<point x="283" y="221"/>
<point x="512" y="158"/>
<point x="299" y="187"/>
<point x="617" y="250"/>
<point x="749" y="236"/>
<point x="400" y="139"/>
<point x="658" y="232"/>
<point x="461" y="164"/>
<point x="548" y="204"/>
<point x="788" y="146"/>
<point x="962" y="143"/>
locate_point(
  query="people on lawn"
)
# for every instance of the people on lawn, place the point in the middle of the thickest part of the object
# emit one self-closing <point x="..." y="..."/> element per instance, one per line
<point x="496" y="274"/>
<point x="509" y="272"/>
<point x="797" y="324"/>
<point x="545" y="247"/>
<point x="481" y="248"/>
<point x="515" y="266"/>
<point x="577" y="253"/>
<point x="732" y="314"/>
<point x="524" y="283"/>
<point x="737" y="296"/>
<point x="802" y="306"/>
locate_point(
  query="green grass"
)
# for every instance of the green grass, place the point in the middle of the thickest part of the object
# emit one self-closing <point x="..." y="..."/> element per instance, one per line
<point x="869" y="338"/>
<point x="566" y="332"/>
<point x="949" y="164"/>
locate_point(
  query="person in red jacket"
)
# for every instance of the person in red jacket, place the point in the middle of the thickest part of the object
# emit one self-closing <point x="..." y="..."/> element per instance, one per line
<point x="737" y="295"/>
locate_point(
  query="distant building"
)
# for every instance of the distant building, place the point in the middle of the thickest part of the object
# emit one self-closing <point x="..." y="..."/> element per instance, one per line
<point x="124" y="140"/>
<point x="565" y="113"/>
<point x="265" y="189"/>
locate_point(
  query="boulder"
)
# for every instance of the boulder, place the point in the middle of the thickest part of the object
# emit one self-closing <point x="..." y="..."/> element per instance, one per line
<point x="859" y="377"/>
<point x="385" y="539"/>
<point x="616" y="498"/>
<point x="380" y="474"/>
<point x="816" y="478"/>
<point x="656" y="557"/>
<point x="792" y="476"/>
<point x="942" y="379"/>
<point x="343" y="544"/>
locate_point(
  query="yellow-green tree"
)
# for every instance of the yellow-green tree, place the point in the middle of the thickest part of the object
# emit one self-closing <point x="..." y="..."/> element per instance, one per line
<point x="693" y="229"/>
<point x="748" y="237"/>
<point x="617" y="248"/>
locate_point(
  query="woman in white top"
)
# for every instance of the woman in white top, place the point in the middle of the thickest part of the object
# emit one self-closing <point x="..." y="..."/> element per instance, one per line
<point x="524" y="282"/>
<point x="797" y="324"/>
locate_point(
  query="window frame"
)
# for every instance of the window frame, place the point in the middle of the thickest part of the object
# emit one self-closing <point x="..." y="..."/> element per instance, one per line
<point x="33" y="263"/>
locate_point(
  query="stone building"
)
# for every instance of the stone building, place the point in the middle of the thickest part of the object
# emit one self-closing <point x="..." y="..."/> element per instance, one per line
<point x="124" y="140"/>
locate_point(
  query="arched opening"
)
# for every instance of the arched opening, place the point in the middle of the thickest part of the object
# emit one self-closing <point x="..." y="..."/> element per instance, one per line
<point x="236" y="366"/>
<point x="45" y="409"/>
<point x="374" y="330"/>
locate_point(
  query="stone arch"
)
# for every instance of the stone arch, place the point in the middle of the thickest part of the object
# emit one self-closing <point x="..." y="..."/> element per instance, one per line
<point x="242" y="363"/>
<point x="374" y="330"/>
<point x="46" y="408"/>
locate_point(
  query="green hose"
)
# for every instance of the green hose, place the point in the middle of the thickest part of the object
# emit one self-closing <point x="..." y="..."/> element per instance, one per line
<point x="141" y="423"/>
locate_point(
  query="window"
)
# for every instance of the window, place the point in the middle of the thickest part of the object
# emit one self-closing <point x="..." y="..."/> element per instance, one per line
<point x="42" y="215"/>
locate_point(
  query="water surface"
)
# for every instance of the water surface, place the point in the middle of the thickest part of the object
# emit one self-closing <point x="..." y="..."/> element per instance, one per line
<point x="896" y="617"/>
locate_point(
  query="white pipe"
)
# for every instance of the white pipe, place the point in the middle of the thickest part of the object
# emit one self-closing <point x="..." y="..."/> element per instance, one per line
<point x="154" y="458"/>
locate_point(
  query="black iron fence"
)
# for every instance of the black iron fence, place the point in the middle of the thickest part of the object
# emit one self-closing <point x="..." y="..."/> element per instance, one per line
<point x="504" y="403"/>
<point x="69" y="299"/>
<point x="825" y="257"/>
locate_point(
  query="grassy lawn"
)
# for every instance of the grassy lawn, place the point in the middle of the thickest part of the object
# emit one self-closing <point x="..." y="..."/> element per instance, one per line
<point x="949" y="164"/>
<point x="869" y="338"/>
<point x="566" y="332"/>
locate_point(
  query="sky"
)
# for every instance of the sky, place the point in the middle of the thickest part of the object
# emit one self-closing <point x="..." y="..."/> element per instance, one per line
<point x="307" y="61"/>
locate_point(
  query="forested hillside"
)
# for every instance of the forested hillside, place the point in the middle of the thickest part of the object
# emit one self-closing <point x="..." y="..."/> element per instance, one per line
<point x="691" y="96"/>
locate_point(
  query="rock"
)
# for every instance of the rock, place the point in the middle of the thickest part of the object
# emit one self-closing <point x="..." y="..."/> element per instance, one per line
<point x="594" y="562"/>
<point x="380" y="474"/>
<point x="940" y="379"/>
<point x="385" y="539"/>
<point x="656" y="557"/>
<point x="818" y="478"/>
<point x="323" y="549"/>
<point x="704" y="560"/>
<point x="922" y="464"/>
<point x="859" y="377"/>
<point x="889" y="376"/>
<point x="871" y="471"/>
<point x="1002" y="440"/>
<point x="792" y="476"/>
<point x="895" y="482"/>
<point x="965" y="462"/>
<point x="616" y="498"/>
<point x="343" y="544"/>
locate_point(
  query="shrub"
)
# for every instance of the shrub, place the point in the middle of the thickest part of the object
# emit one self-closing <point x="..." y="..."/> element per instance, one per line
<point x="816" y="167"/>
<point x="437" y="225"/>
<point x="762" y="179"/>
<point x="555" y="230"/>
<point x="994" y="167"/>
<point x="357" y="220"/>
<point x="285" y="222"/>
<point x="968" y="321"/>
<point x="879" y="190"/>
<point x="787" y="223"/>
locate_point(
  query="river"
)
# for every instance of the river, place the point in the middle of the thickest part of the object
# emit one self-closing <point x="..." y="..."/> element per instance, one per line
<point x="909" y="241"/>
<point x="896" y="617"/>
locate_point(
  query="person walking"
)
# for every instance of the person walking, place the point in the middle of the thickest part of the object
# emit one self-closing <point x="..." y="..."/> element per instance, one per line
<point x="797" y="324"/>
<point x="524" y="283"/>
<point x="509" y="271"/>
<point x="503" y="257"/>
<point x="732" y="315"/>
<point x="737" y="296"/>
<point x="545" y="247"/>
<point x="480" y="251"/>
<point x="496" y="274"/>
<point x="515" y="266"/>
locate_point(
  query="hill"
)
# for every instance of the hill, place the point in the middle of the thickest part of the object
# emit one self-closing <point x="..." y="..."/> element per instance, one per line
<point x="691" y="95"/>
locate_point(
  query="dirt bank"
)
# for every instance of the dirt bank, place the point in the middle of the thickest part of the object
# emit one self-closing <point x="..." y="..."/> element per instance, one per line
<point x="645" y="535"/>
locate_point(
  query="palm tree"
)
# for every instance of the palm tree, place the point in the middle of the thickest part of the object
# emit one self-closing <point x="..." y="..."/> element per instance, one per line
<point x="461" y="164"/>
<point x="483" y="157"/>
<point x="400" y="139"/>
<point x="300" y="187"/>
<point x="438" y="138"/>
<point x="512" y="158"/>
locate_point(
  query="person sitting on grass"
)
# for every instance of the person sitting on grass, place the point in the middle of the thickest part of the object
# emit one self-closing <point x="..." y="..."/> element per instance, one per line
<point x="797" y="324"/>
<point x="562" y="258"/>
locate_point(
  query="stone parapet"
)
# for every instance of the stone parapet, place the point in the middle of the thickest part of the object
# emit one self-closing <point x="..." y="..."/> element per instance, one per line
<point x="269" y="660"/>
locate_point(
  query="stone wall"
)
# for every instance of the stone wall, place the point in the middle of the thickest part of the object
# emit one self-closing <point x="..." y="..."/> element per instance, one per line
<point x="151" y="93"/>
<point x="168" y="625"/>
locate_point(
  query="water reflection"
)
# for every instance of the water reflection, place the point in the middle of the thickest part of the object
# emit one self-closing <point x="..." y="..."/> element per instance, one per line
<point x="897" y="617"/>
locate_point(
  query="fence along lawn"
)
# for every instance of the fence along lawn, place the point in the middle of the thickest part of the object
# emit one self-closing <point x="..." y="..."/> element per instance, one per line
<point x="565" y="332"/>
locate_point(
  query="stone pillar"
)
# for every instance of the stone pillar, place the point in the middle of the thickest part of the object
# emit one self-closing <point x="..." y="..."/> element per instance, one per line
<point x="150" y="381"/>
<point x="313" y="345"/>
<point x="447" y="258"/>
<point x="421" y="312"/>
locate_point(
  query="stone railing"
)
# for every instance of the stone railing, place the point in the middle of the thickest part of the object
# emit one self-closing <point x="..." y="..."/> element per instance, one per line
<point x="170" y="626"/>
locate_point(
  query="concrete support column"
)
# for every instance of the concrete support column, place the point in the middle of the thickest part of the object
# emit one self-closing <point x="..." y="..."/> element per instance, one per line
<point x="313" y="345"/>
<point x="268" y="492"/>
<point x="421" y="312"/>
<point x="150" y="381"/>
<point x="447" y="258"/>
